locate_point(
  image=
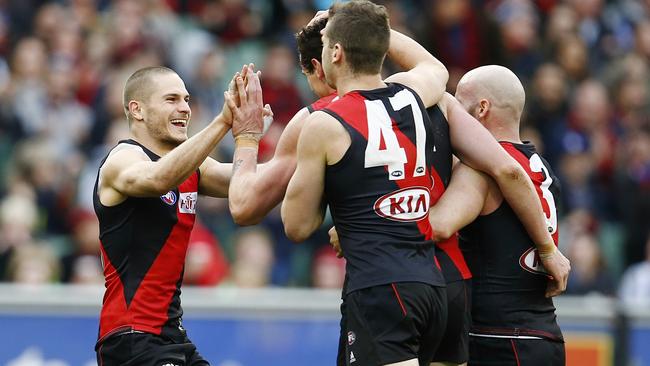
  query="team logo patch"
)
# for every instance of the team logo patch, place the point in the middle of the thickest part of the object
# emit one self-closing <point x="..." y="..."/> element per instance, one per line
<point x="351" y="337"/>
<point x="169" y="198"/>
<point x="187" y="202"/>
<point x="530" y="262"/>
<point x="407" y="204"/>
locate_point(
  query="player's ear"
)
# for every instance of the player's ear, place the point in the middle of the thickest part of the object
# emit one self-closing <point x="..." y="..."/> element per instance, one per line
<point x="135" y="109"/>
<point x="483" y="108"/>
<point x="318" y="69"/>
<point x="337" y="53"/>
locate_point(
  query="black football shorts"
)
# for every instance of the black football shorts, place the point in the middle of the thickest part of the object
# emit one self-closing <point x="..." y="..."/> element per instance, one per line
<point x="454" y="347"/>
<point x="139" y="349"/>
<point x="394" y="322"/>
<point x="484" y="351"/>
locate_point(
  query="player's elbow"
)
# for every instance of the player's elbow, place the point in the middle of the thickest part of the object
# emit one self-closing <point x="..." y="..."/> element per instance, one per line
<point x="442" y="234"/>
<point x="441" y="231"/>
<point x="509" y="171"/>
<point x="244" y="216"/>
<point x="297" y="233"/>
<point x="296" y="228"/>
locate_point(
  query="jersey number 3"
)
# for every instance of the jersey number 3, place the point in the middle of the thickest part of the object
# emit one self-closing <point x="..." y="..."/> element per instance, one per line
<point x="380" y="125"/>
<point x="537" y="166"/>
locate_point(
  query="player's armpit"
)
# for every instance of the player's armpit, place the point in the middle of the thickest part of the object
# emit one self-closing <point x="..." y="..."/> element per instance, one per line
<point x="215" y="178"/>
<point x="461" y="202"/>
<point x="302" y="209"/>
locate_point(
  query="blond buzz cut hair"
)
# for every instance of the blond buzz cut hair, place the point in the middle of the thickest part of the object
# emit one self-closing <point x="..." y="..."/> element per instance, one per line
<point x="140" y="85"/>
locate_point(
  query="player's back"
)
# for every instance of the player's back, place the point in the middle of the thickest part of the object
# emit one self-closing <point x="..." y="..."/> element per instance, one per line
<point x="380" y="191"/>
<point x="509" y="282"/>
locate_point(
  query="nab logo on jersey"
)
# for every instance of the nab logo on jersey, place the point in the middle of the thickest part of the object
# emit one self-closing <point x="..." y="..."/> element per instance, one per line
<point x="407" y="204"/>
<point x="530" y="262"/>
<point x="169" y="198"/>
<point x="187" y="202"/>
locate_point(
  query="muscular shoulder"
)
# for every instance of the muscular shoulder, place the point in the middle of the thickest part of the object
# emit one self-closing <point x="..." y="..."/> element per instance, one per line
<point x="121" y="157"/>
<point x="446" y="103"/>
<point x="323" y="132"/>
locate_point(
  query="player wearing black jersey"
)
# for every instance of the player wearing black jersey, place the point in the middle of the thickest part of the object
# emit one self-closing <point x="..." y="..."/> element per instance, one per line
<point x="145" y="198"/>
<point x="394" y="295"/>
<point x="514" y="319"/>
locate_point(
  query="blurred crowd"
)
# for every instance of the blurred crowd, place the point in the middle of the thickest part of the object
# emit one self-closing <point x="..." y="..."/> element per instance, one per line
<point x="63" y="64"/>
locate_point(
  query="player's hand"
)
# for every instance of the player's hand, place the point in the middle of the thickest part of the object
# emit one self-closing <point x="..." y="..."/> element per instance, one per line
<point x="558" y="267"/>
<point x="334" y="240"/>
<point x="319" y="15"/>
<point x="226" y="111"/>
<point x="248" y="116"/>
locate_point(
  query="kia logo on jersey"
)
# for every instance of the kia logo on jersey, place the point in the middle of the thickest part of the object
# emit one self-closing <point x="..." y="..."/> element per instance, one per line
<point x="169" y="198"/>
<point x="407" y="204"/>
<point x="530" y="262"/>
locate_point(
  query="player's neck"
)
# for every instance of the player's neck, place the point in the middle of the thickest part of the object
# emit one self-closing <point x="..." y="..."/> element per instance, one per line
<point x="505" y="133"/>
<point x="349" y="83"/>
<point x="157" y="147"/>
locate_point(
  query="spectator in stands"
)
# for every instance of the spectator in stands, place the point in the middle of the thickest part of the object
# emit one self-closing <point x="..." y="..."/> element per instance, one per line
<point x="18" y="218"/>
<point x="82" y="264"/>
<point x="633" y="191"/>
<point x="635" y="285"/>
<point x="205" y="263"/>
<point x="33" y="264"/>
<point x="589" y="274"/>
<point x="328" y="271"/>
<point x="253" y="259"/>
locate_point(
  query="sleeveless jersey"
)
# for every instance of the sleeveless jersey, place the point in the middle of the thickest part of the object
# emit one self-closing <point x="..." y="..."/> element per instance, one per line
<point x="448" y="253"/>
<point x="322" y="103"/>
<point x="380" y="191"/>
<point x="509" y="281"/>
<point x="143" y="245"/>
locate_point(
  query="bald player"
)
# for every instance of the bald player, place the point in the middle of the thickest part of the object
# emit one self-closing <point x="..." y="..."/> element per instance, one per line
<point x="513" y="317"/>
<point x="145" y="199"/>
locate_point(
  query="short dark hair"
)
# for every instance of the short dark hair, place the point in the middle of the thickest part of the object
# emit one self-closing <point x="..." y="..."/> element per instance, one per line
<point x="140" y="86"/>
<point x="362" y="29"/>
<point x="310" y="44"/>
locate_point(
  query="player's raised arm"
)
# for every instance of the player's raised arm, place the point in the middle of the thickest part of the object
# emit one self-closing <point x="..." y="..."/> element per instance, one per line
<point x="461" y="202"/>
<point x="245" y="97"/>
<point x="255" y="190"/>
<point x="425" y="74"/>
<point x="129" y="172"/>
<point x="303" y="209"/>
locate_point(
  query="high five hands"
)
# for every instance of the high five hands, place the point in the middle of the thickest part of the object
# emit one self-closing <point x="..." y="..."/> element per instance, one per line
<point x="245" y="104"/>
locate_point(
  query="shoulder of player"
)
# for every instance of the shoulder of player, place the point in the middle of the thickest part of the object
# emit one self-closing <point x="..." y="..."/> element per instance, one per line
<point x="322" y="126"/>
<point x="298" y="119"/>
<point x="122" y="156"/>
<point x="445" y="103"/>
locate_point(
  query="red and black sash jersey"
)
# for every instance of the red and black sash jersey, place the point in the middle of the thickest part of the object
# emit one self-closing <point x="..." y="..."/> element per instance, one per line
<point x="449" y="256"/>
<point x="379" y="192"/>
<point x="322" y="103"/>
<point x="143" y="245"/>
<point x="509" y="283"/>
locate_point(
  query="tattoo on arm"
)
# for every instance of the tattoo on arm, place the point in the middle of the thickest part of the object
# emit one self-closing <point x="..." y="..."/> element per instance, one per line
<point x="237" y="164"/>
